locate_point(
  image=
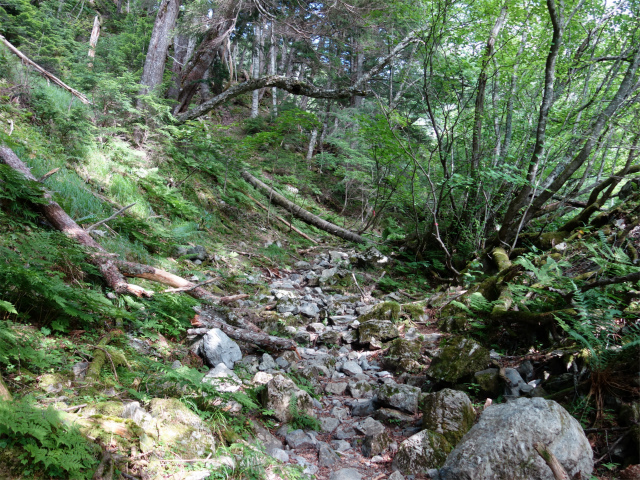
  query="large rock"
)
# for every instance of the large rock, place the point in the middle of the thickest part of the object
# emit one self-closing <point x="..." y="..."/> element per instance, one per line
<point x="223" y="378"/>
<point x="449" y="413"/>
<point x="346" y="474"/>
<point x="460" y="358"/>
<point x="285" y="399"/>
<point x="219" y="348"/>
<point x="376" y="331"/>
<point x="400" y="396"/>
<point x="421" y="452"/>
<point x="501" y="445"/>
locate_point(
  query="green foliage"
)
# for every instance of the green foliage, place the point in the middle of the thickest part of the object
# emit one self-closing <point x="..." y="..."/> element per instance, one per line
<point x="15" y="191"/>
<point x="37" y="271"/>
<point x="44" y="442"/>
<point x="300" y="420"/>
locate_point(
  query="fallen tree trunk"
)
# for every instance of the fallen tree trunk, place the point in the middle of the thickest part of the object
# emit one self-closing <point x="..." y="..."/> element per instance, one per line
<point x="261" y="339"/>
<point x="63" y="222"/>
<point x="282" y="220"/>
<point x="301" y="213"/>
<point x="43" y="72"/>
<point x="5" y="394"/>
<point x="138" y="270"/>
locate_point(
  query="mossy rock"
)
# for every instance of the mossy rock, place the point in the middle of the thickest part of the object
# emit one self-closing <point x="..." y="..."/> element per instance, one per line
<point x="52" y="382"/>
<point x="377" y="331"/>
<point x="404" y="356"/>
<point x="489" y="381"/>
<point x="421" y="452"/>
<point x="459" y="359"/>
<point x="110" y="408"/>
<point x="449" y="413"/>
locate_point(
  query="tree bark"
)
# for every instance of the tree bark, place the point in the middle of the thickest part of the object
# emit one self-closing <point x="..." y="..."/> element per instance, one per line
<point x="95" y="34"/>
<point x="63" y="222"/>
<point x="5" y="394"/>
<point x="43" y="72"/>
<point x="159" y="45"/>
<point x="296" y="87"/>
<point x="255" y="70"/>
<point x="302" y="214"/>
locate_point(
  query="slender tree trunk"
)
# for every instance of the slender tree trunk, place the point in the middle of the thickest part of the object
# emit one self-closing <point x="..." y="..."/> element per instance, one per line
<point x="312" y="144"/>
<point x="273" y="52"/>
<point x="255" y="73"/>
<point x="358" y="101"/>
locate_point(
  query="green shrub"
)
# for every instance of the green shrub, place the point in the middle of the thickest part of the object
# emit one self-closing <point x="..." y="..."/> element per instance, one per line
<point x="45" y="442"/>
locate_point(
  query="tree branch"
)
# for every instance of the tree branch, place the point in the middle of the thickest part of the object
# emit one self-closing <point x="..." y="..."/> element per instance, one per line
<point x="297" y="87"/>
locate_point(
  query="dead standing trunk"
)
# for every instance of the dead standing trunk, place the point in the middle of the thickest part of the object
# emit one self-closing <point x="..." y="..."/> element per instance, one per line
<point x="93" y="41"/>
<point x="159" y="45"/>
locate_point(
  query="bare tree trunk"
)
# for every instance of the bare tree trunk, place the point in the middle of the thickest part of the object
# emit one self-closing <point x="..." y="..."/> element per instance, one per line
<point x="272" y="71"/>
<point x="159" y="45"/>
<point x="302" y="214"/>
<point x="93" y="41"/>
<point x="63" y="222"/>
<point x="358" y="101"/>
<point x="255" y="71"/>
<point x="312" y="144"/>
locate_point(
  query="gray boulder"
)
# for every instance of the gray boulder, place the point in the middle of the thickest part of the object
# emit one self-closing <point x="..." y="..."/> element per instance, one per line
<point x="326" y="456"/>
<point x="513" y="429"/>
<point x="219" y="348"/>
<point x="421" y="452"/>
<point x="309" y="309"/>
<point x="402" y="397"/>
<point x="283" y="397"/>
<point x="300" y="439"/>
<point x="449" y="413"/>
<point x="351" y="368"/>
<point x="346" y="474"/>
<point x="223" y="378"/>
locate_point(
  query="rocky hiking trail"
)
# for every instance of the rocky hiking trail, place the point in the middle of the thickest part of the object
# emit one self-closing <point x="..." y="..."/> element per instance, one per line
<point x="380" y="372"/>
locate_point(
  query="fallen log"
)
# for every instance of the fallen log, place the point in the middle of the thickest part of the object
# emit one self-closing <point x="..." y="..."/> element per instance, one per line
<point x="138" y="270"/>
<point x="261" y="339"/>
<point x="301" y="213"/>
<point x="63" y="222"/>
<point x="43" y="72"/>
<point x="282" y="220"/>
<point x="5" y="394"/>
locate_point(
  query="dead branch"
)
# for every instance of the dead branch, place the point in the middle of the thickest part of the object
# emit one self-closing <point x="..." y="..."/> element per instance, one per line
<point x="119" y="212"/>
<point x="187" y="289"/>
<point x="559" y="473"/>
<point x="48" y="174"/>
<point x="43" y="72"/>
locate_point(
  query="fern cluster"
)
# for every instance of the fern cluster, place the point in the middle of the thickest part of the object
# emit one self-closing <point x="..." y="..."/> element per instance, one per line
<point x="44" y="442"/>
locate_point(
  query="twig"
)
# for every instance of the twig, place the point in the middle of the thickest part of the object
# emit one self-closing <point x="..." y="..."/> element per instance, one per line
<point x="362" y="294"/>
<point x="189" y="288"/>
<point x="10" y="127"/>
<point x="412" y="297"/>
<point x="48" y="174"/>
<point x="70" y="409"/>
<point x="119" y="212"/>
<point x="610" y="449"/>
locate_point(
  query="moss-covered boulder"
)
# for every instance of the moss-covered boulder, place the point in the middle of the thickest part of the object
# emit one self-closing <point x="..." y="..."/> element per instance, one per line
<point x="460" y="358"/>
<point x="421" y="452"/>
<point x="374" y="332"/>
<point x="489" y="381"/>
<point x="285" y="399"/>
<point x="449" y="413"/>
<point x="404" y="356"/>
